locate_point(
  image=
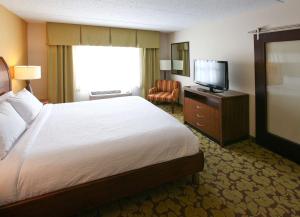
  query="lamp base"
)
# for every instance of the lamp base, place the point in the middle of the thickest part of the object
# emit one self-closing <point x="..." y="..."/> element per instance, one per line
<point x="28" y="86"/>
<point x="165" y="74"/>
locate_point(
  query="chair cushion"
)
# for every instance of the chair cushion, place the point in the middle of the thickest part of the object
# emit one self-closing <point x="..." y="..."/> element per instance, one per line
<point x="161" y="97"/>
<point x="167" y="85"/>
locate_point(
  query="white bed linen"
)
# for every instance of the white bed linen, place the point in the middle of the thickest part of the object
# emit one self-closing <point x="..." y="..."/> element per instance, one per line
<point x="73" y="143"/>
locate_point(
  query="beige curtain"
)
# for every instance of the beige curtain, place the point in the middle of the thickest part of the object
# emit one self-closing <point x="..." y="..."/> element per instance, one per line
<point x="60" y="74"/>
<point x="150" y="69"/>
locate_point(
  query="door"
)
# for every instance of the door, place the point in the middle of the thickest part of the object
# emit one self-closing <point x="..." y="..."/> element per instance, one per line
<point x="277" y="87"/>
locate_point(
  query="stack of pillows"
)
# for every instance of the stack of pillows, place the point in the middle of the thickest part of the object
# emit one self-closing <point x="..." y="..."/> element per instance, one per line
<point x="17" y="112"/>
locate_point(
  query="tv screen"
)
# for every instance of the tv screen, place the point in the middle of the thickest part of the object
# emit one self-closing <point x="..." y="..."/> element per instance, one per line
<point x="213" y="74"/>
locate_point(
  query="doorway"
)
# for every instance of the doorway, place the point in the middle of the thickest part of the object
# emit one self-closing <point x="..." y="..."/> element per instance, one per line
<point x="277" y="88"/>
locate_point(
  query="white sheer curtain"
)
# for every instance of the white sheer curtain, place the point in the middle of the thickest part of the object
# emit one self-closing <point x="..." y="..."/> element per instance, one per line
<point x="99" y="68"/>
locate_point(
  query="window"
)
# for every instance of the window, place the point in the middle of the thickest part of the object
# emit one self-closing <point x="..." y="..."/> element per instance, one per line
<point x="99" y="68"/>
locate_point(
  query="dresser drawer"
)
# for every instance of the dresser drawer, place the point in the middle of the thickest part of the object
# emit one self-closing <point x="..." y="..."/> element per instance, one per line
<point x="203" y="117"/>
<point x="195" y="106"/>
<point x="201" y="125"/>
<point x="196" y="113"/>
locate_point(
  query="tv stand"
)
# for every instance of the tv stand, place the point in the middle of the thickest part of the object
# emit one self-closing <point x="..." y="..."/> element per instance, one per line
<point x="224" y="117"/>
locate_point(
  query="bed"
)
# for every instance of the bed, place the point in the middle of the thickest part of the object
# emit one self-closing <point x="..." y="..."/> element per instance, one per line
<point x="66" y="162"/>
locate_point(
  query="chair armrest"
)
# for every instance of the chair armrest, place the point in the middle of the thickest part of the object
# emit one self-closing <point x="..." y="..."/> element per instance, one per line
<point x="175" y="94"/>
<point x="152" y="90"/>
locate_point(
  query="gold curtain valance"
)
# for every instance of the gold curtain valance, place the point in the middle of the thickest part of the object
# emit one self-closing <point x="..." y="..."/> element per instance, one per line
<point x="70" y="34"/>
<point x="63" y="34"/>
<point x="95" y="35"/>
<point x="148" y="39"/>
<point x="123" y="37"/>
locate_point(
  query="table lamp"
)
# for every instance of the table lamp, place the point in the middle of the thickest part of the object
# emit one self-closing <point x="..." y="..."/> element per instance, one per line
<point x="165" y="66"/>
<point x="27" y="73"/>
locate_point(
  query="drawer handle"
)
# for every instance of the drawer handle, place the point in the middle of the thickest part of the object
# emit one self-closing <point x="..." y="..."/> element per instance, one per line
<point x="198" y="107"/>
<point x="200" y="125"/>
<point x="199" y="116"/>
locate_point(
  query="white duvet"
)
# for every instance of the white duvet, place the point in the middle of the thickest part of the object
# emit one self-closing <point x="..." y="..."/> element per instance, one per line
<point x="73" y="143"/>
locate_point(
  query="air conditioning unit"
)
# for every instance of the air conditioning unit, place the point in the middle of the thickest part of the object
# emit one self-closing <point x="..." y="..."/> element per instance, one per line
<point x="94" y="95"/>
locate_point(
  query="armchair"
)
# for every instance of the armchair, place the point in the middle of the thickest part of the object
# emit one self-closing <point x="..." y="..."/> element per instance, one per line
<point x="165" y="91"/>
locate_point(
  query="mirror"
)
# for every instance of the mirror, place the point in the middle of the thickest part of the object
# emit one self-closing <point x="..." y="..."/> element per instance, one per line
<point x="180" y="58"/>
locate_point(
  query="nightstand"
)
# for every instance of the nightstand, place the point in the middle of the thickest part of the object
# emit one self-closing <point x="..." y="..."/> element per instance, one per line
<point x="44" y="101"/>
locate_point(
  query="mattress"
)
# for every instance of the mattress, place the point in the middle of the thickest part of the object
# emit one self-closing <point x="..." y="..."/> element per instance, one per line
<point x="74" y="143"/>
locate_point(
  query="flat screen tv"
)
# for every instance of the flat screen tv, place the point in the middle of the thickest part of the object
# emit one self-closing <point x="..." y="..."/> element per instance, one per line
<point x="212" y="74"/>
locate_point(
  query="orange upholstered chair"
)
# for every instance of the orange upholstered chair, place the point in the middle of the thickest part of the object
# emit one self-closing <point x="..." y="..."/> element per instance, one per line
<point x="165" y="91"/>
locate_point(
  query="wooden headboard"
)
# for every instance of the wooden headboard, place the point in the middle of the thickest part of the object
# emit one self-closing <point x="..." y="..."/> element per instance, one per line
<point x="5" y="83"/>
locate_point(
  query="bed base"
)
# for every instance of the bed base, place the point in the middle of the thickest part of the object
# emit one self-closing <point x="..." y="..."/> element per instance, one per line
<point x="70" y="201"/>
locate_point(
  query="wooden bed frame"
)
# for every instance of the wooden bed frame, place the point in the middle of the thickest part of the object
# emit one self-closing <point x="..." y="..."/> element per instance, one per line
<point x="69" y="201"/>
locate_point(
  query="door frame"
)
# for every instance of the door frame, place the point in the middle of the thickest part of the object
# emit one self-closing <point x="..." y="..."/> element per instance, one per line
<point x="275" y="143"/>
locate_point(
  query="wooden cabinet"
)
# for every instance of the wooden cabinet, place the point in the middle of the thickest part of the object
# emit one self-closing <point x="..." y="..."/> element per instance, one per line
<point x="224" y="117"/>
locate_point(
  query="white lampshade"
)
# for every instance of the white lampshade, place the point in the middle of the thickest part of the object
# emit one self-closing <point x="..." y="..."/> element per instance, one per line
<point x="165" y="65"/>
<point x="27" y="72"/>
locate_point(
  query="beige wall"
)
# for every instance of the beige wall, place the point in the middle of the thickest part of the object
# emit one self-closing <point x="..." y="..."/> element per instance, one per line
<point x="37" y="55"/>
<point x="165" y="51"/>
<point x="228" y="39"/>
<point x="13" y="42"/>
<point x="165" y="48"/>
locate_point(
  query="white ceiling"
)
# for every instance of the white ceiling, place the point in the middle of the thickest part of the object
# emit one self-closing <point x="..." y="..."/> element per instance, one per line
<point x="162" y="15"/>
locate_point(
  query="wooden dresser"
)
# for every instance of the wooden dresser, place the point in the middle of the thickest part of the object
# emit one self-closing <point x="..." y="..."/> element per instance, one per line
<point x="224" y="117"/>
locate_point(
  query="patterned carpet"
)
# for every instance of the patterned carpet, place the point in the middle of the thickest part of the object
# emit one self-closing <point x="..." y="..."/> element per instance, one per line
<point x="242" y="179"/>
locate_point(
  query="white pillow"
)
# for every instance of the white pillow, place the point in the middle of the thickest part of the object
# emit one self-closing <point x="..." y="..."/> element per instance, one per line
<point x="5" y="96"/>
<point x="11" y="128"/>
<point x="27" y="105"/>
